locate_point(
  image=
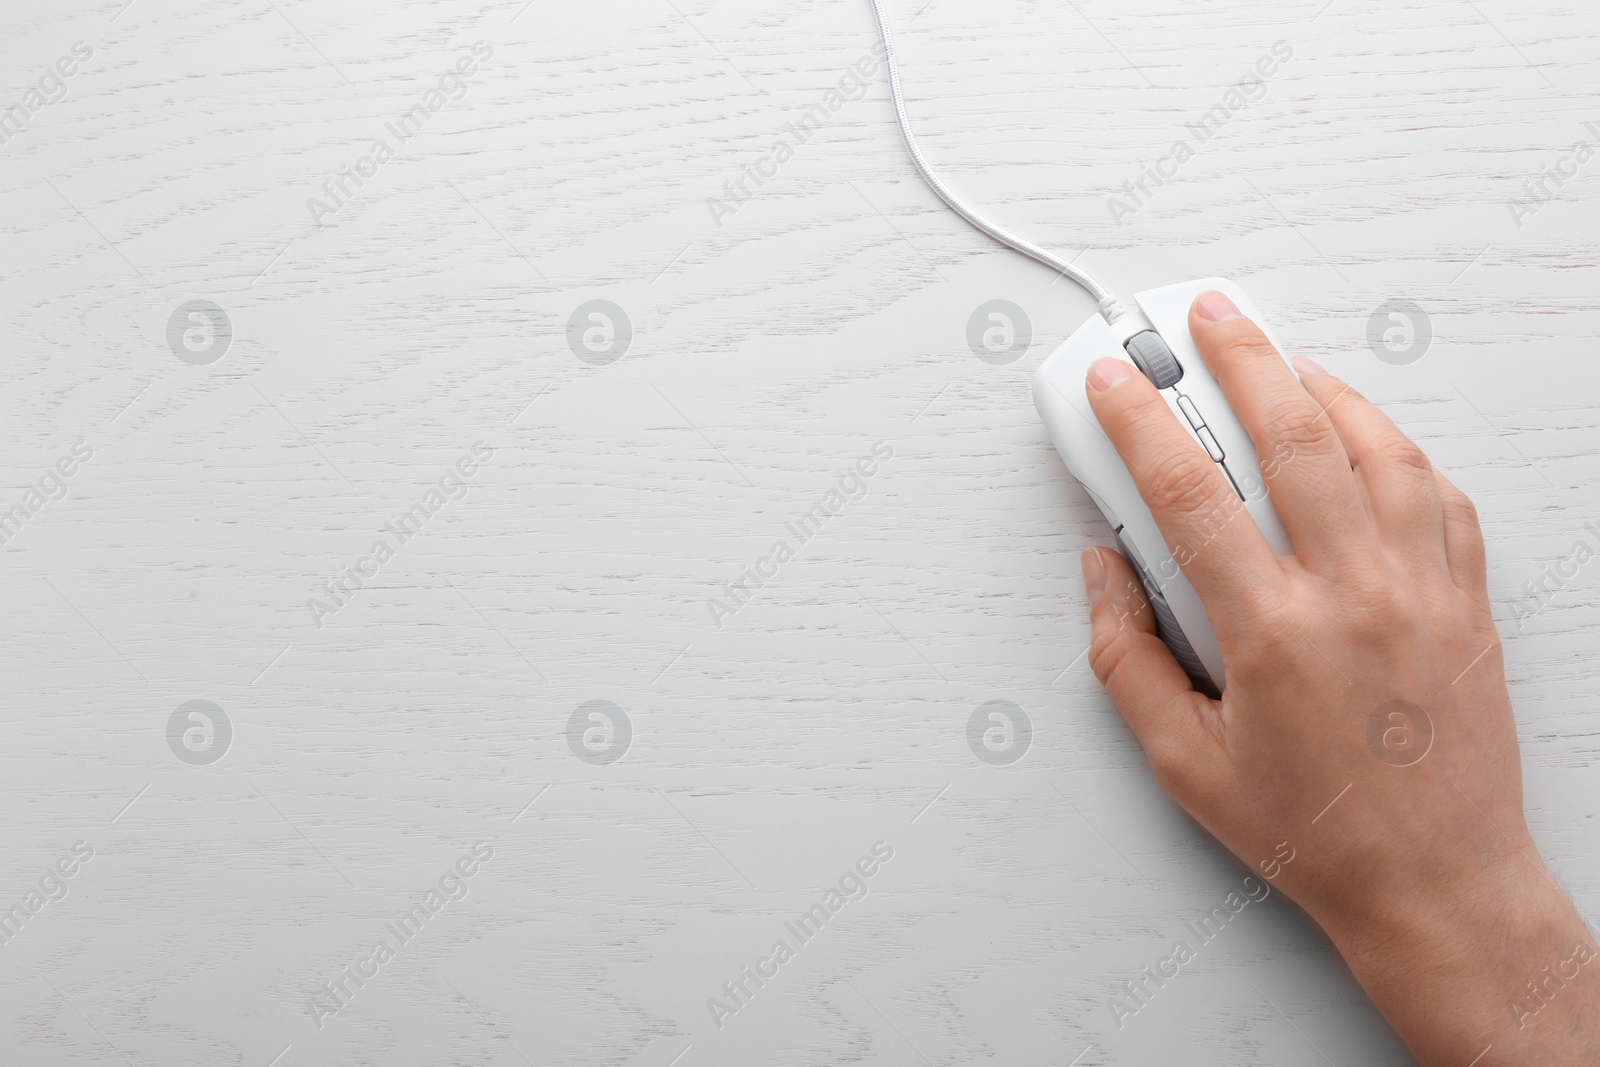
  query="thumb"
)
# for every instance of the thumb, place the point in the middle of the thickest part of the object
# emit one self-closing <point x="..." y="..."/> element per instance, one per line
<point x="1146" y="684"/>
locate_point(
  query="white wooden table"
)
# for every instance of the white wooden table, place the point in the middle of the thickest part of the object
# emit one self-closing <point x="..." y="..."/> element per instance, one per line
<point x="352" y="753"/>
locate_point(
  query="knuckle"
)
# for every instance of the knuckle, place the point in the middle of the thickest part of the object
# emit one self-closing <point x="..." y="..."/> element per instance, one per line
<point x="1300" y="425"/>
<point x="1109" y="649"/>
<point x="1459" y="507"/>
<point x="1400" y="453"/>
<point x="1184" y="487"/>
<point x="1116" y="631"/>
<point x="1488" y="639"/>
<point x="1250" y="345"/>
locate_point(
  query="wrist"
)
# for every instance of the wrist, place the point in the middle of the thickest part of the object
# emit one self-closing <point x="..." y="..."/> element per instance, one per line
<point x="1500" y="960"/>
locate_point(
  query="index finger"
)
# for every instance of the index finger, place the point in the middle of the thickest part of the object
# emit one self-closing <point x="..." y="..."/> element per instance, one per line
<point x="1210" y="534"/>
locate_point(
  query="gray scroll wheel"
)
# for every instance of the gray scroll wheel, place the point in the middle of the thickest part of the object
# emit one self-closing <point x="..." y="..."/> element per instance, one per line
<point x="1151" y="355"/>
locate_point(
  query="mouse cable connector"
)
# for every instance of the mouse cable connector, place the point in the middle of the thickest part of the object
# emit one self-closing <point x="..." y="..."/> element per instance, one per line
<point x="1110" y="307"/>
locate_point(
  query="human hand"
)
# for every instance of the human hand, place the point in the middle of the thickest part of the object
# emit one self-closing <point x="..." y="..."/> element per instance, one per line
<point x="1366" y="729"/>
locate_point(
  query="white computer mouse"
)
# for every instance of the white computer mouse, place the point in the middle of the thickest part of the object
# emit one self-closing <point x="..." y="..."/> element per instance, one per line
<point x="1194" y="396"/>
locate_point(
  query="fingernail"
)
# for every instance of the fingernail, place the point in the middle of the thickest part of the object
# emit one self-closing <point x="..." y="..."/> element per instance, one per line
<point x="1307" y="366"/>
<point x="1216" y="307"/>
<point x="1094" y="575"/>
<point x="1107" y="373"/>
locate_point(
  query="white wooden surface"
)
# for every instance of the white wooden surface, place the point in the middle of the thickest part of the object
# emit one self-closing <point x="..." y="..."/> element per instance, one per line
<point x="430" y="714"/>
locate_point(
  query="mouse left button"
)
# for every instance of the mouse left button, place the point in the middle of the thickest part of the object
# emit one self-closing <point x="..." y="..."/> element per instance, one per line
<point x="1152" y="355"/>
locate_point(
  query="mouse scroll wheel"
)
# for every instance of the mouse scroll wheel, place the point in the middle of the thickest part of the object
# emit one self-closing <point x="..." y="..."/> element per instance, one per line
<point x="1151" y="354"/>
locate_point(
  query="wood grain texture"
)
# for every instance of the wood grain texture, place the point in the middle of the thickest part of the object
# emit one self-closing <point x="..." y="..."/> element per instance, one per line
<point x="430" y="714"/>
